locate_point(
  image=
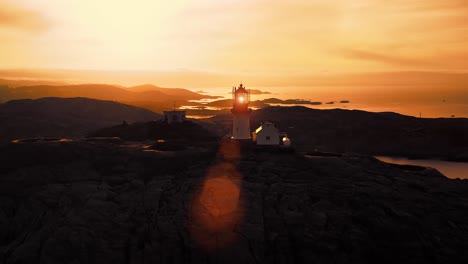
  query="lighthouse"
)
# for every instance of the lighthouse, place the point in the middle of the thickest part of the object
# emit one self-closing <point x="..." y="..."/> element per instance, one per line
<point x="241" y="112"/>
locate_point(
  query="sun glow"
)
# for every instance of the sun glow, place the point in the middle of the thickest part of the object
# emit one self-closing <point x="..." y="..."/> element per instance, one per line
<point x="304" y="36"/>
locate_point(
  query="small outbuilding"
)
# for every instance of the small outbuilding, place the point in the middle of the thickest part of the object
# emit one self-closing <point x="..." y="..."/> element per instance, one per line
<point x="268" y="134"/>
<point x="175" y="116"/>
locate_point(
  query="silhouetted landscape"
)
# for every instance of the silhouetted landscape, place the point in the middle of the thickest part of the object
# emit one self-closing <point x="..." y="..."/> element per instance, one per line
<point x="233" y="132"/>
<point x="100" y="181"/>
<point x="328" y="130"/>
<point x="64" y="117"/>
<point x="98" y="202"/>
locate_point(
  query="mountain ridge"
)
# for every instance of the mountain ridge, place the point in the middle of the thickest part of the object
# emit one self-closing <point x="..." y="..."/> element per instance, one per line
<point x="64" y="117"/>
<point x="98" y="91"/>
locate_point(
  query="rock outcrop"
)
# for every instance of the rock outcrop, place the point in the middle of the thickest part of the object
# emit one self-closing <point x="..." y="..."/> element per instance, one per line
<point x="96" y="202"/>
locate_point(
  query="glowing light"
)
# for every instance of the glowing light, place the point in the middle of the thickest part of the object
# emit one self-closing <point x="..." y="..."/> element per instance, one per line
<point x="241" y="99"/>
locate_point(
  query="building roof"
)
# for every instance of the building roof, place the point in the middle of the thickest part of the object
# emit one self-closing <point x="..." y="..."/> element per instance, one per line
<point x="266" y="124"/>
<point x="241" y="89"/>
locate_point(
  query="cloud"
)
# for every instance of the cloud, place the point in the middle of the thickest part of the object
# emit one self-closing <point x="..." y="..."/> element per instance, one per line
<point x="358" y="54"/>
<point x="17" y="17"/>
<point x="254" y="91"/>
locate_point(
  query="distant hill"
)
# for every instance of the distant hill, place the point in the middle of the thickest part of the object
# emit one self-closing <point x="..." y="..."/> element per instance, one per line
<point x="95" y="91"/>
<point x="99" y="91"/>
<point x="134" y="95"/>
<point x="365" y="132"/>
<point x="176" y="92"/>
<point x="21" y="82"/>
<point x="64" y="117"/>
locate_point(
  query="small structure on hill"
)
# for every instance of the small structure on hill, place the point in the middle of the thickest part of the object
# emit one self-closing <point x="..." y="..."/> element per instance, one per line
<point x="174" y="116"/>
<point x="268" y="135"/>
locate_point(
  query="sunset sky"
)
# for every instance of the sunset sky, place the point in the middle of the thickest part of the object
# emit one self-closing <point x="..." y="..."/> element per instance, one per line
<point x="258" y="36"/>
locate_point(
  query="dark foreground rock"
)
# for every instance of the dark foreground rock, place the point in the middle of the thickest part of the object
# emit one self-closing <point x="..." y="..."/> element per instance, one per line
<point x="188" y="132"/>
<point x="100" y="202"/>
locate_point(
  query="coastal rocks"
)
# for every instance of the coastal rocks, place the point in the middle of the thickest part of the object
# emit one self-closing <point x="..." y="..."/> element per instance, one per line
<point x="101" y="203"/>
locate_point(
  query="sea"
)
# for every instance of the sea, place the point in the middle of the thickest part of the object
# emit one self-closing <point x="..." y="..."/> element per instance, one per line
<point x="450" y="169"/>
<point x="398" y="99"/>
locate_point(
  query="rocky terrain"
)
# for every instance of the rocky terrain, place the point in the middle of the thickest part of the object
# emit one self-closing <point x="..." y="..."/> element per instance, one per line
<point x="98" y="202"/>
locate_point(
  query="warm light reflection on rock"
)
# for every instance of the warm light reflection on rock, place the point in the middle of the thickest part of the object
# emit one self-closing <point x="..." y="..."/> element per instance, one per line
<point x="229" y="150"/>
<point x="216" y="209"/>
<point x="220" y="196"/>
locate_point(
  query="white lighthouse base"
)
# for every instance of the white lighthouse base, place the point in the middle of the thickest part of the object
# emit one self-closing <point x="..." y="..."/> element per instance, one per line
<point x="241" y="126"/>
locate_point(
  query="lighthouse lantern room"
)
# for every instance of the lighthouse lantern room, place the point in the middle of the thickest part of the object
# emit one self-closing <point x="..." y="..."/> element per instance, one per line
<point x="241" y="113"/>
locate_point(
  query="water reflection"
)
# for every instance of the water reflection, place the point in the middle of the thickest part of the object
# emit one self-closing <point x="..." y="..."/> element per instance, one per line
<point x="452" y="170"/>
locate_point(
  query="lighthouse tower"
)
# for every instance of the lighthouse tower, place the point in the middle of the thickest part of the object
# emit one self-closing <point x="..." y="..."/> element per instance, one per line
<point x="241" y="113"/>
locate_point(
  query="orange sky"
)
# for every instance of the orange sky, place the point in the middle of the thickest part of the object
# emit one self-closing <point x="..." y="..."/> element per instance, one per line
<point x="228" y="36"/>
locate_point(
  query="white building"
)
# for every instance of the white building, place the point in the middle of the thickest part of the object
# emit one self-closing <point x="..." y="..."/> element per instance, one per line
<point x="268" y="134"/>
